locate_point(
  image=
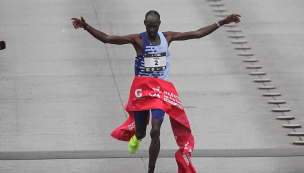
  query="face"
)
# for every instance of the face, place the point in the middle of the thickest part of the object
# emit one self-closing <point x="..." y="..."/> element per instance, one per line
<point x="152" y="24"/>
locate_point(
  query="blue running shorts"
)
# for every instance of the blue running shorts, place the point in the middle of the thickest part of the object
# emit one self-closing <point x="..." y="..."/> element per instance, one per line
<point x="141" y="117"/>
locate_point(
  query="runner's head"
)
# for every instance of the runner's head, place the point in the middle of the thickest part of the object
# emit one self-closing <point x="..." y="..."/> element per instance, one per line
<point x="152" y="22"/>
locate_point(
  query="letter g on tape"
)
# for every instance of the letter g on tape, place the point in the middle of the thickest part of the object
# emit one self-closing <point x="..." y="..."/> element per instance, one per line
<point x="138" y="93"/>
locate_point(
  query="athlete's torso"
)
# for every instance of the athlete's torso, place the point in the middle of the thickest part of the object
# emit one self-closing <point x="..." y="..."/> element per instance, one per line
<point x="157" y="62"/>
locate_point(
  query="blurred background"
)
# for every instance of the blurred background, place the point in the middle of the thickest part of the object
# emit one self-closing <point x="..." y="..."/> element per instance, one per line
<point x="63" y="90"/>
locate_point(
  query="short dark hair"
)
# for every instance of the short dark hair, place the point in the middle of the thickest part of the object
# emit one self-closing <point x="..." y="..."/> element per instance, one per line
<point x="152" y="13"/>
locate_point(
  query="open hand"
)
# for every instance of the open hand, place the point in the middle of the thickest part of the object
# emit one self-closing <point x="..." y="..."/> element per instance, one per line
<point x="78" y="23"/>
<point x="233" y="18"/>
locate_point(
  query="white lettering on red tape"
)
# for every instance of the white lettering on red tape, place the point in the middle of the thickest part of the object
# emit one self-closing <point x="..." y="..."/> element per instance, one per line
<point x="167" y="96"/>
<point x="156" y="94"/>
<point x="131" y="126"/>
<point x="186" y="159"/>
<point x="138" y="93"/>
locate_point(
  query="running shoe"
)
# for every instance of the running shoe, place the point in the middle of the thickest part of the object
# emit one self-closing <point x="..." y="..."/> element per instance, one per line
<point x="134" y="144"/>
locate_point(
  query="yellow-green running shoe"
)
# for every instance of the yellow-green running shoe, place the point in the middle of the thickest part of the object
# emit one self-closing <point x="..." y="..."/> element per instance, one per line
<point x="134" y="144"/>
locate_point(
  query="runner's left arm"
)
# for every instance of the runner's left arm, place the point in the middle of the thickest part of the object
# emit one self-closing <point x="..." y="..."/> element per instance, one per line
<point x="180" y="36"/>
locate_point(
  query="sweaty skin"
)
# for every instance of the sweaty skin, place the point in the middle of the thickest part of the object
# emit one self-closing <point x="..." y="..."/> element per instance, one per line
<point x="152" y="23"/>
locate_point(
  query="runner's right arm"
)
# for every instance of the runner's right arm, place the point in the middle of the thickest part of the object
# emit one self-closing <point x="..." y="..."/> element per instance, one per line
<point x="112" y="39"/>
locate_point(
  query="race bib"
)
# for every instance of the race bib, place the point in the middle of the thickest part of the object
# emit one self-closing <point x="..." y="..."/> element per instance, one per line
<point x="155" y="62"/>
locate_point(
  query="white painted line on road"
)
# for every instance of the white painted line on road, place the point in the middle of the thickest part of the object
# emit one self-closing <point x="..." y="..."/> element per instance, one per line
<point x="165" y="153"/>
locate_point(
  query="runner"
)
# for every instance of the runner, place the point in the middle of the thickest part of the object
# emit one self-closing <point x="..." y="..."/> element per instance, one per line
<point x="153" y="60"/>
<point x="2" y="45"/>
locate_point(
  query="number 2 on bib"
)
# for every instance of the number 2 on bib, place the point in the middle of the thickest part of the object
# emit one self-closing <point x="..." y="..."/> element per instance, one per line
<point x="155" y="62"/>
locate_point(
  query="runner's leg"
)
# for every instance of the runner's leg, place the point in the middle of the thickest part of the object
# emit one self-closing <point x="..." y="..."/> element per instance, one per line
<point x="141" y="118"/>
<point x="140" y="132"/>
<point x="157" y="119"/>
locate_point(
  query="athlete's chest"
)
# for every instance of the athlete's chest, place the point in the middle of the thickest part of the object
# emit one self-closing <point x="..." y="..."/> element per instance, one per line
<point x="155" y="41"/>
<point x="147" y="45"/>
<point x="157" y="46"/>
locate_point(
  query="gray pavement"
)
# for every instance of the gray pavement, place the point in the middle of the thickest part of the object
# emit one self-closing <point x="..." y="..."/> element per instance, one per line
<point x="205" y="165"/>
<point x="63" y="90"/>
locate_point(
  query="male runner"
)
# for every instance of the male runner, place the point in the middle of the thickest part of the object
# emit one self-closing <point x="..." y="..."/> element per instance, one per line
<point x="2" y="45"/>
<point x="151" y="43"/>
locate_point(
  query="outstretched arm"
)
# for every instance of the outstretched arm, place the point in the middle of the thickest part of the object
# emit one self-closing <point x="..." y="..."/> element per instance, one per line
<point x="179" y="36"/>
<point x="112" y="39"/>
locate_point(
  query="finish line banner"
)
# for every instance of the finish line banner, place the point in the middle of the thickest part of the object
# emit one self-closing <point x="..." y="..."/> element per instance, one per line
<point x="152" y="93"/>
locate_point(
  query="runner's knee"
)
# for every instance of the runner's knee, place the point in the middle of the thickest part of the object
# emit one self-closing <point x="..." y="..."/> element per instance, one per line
<point x="155" y="132"/>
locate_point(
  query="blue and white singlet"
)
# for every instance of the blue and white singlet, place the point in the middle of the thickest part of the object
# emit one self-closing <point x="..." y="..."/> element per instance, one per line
<point x="154" y="61"/>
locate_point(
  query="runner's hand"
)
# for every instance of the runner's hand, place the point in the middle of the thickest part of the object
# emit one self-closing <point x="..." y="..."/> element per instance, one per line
<point x="2" y="45"/>
<point x="233" y="18"/>
<point x="78" y="23"/>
